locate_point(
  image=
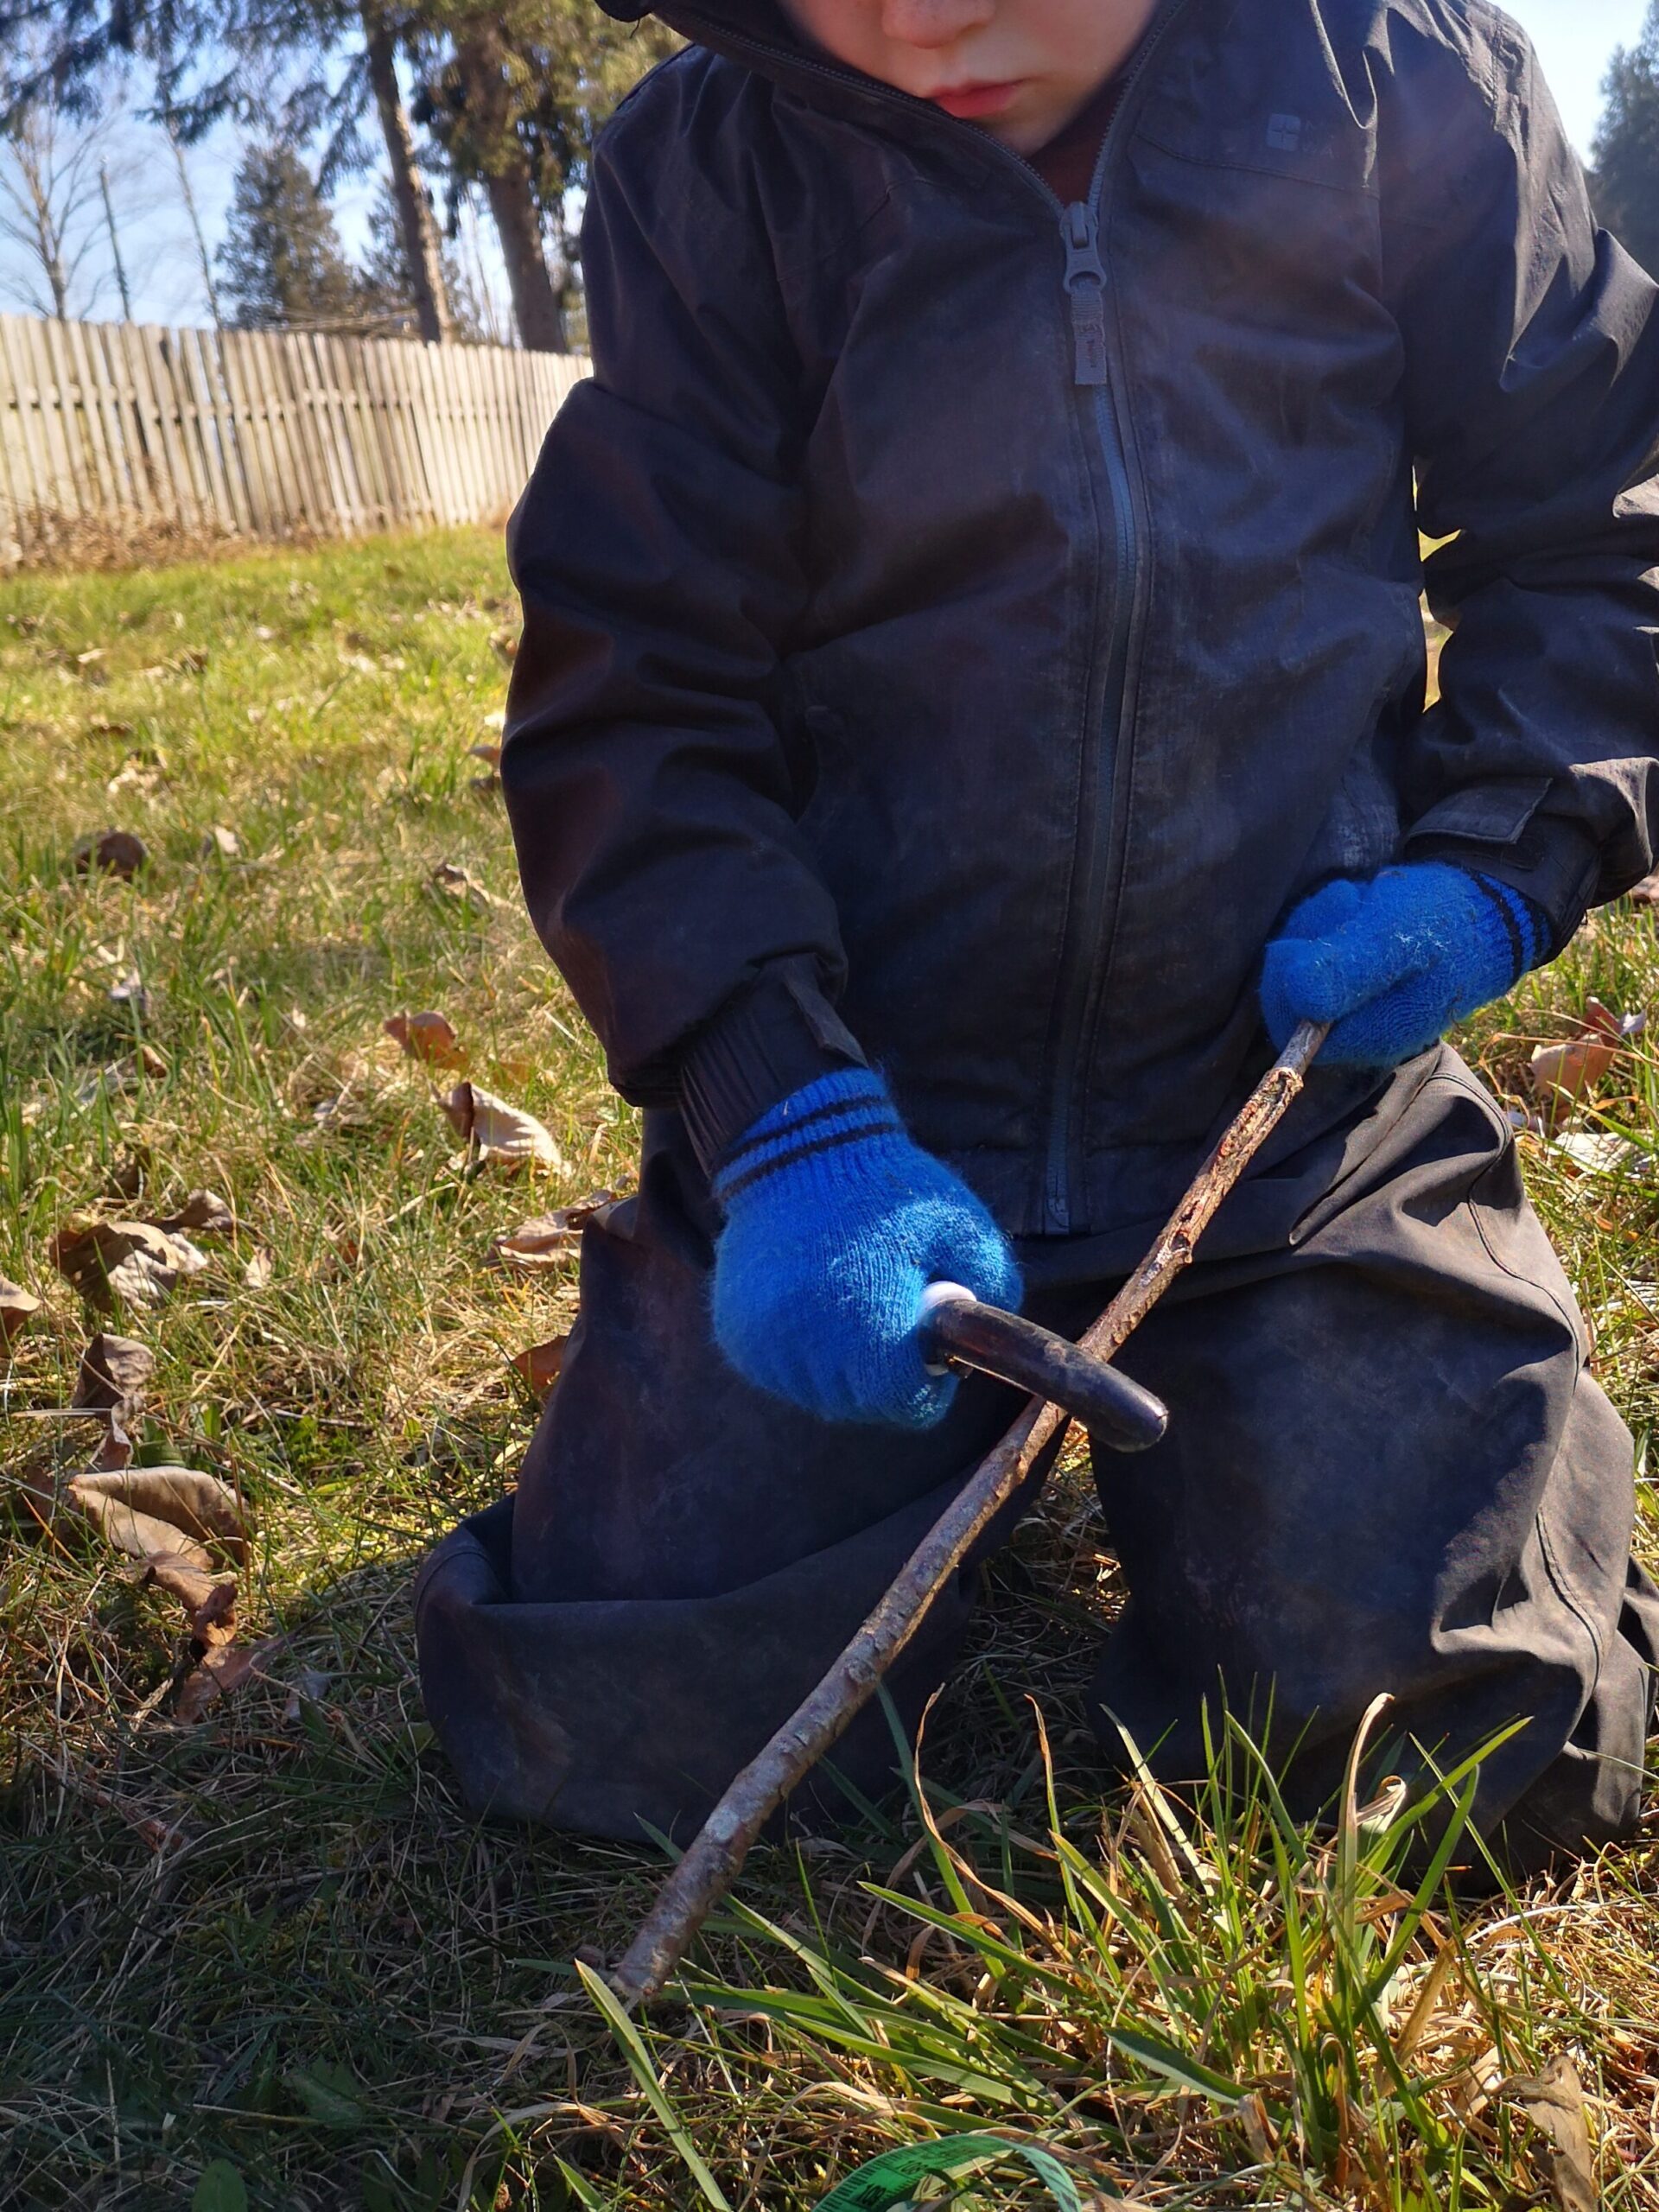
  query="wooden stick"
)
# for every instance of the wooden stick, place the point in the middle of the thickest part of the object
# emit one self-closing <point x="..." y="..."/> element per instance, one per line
<point x="715" y="1859"/>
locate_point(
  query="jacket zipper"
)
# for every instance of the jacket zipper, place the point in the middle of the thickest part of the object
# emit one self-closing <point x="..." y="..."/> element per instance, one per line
<point x="1090" y="913"/>
<point x="1087" y="917"/>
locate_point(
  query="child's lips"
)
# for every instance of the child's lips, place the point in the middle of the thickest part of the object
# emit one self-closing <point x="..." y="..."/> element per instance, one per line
<point x="969" y="102"/>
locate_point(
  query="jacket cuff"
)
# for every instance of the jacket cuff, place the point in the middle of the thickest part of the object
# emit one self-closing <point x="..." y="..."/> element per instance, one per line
<point x="770" y="1039"/>
<point x="1551" y="861"/>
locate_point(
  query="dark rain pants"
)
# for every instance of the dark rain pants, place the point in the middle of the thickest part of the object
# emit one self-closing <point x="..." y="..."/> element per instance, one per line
<point x="1386" y="1468"/>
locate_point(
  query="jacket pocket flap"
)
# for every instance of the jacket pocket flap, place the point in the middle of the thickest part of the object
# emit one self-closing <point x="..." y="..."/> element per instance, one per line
<point x="1492" y="813"/>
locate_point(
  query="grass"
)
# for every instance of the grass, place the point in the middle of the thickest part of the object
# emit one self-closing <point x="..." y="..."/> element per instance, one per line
<point x="271" y="1947"/>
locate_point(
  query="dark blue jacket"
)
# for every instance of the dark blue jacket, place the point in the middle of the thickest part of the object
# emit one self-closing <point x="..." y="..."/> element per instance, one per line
<point x="1008" y="611"/>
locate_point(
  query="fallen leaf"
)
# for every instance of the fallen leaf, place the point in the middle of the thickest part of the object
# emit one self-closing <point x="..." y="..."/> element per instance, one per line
<point x="213" y="1620"/>
<point x="116" y="850"/>
<point x="1598" y="1152"/>
<point x="222" y="1669"/>
<point x="1553" y="2103"/>
<point x="17" y="1309"/>
<point x="455" y="883"/>
<point x="541" y="1365"/>
<point x="141" y="1536"/>
<point x="1618" y="1028"/>
<point x="202" y="1211"/>
<point x="260" y="1267"/>
<point x="114" y="1371"/>
<point x="504" y="641"/>
<point x="426" y="1036"/>
<point x="1566" y="1071"/>
<point x="548" y="1239"/>
<point x="221" y="843"/>
<point x="200" y="1507"/>
<point x="133" y="1261"/>
<point x="499" y="1132"/>
<point x="142" y="773"/>
<point x="93" y="654"/>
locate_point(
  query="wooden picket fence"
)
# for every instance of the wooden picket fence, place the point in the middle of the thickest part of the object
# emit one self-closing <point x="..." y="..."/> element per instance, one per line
<point x="127" y="431"/>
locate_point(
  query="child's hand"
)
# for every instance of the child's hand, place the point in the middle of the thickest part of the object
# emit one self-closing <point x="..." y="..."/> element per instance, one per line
<point x="1394" y="962"/>
<point x="836" y="1224"/>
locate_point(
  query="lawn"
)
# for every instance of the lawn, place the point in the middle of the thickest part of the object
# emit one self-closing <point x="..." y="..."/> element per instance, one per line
<point x="253" y="1951"/>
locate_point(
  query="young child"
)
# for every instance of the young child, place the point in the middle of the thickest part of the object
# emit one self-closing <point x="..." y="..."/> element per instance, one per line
<point x="971" y="706"/>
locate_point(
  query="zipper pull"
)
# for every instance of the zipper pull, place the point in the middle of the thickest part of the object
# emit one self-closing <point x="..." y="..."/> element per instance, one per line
<point x="1085" y="284"/>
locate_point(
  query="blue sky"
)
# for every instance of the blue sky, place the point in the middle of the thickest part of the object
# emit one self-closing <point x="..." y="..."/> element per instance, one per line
<point x="1574" y="38"/>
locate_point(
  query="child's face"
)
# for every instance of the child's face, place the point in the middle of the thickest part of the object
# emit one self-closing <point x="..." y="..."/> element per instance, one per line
<point x="1019" y="68"/>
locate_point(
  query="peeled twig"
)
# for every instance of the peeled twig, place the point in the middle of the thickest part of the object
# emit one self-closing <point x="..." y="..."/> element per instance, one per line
<point x="715" y="1859"/>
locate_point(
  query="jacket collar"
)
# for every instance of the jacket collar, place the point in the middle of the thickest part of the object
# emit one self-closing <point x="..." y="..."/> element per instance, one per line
<point x="757" y="34"/>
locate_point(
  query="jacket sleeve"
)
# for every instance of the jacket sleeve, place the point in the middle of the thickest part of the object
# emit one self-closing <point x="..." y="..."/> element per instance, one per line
<point x="1532" y="396"/>
<point x="656" y="551"/>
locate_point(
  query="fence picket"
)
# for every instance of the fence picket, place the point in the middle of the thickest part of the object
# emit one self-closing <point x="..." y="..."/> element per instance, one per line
<point x="259" y="433"/>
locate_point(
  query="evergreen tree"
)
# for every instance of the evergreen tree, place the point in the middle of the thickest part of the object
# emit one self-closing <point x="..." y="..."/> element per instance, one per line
<point x="388" y="301"/>
<point x="515" y="96"/>
<point x="282" y="261"/>
<point x="1626" y="181"/>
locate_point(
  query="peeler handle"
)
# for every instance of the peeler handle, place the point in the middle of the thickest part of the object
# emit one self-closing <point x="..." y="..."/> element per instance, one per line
<point x="959" y="1332"/>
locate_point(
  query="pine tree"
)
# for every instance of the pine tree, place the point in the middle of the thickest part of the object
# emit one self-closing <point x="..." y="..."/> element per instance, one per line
<point x="388" y="301"/>
<point x="515" y="95"/>
<point x="283" y="268"/>
<point x="1626" y="181"/>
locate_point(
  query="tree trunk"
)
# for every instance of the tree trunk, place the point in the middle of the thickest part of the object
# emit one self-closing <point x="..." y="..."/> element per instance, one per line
<point x="418" y="231"/>
<point x="187" y="192"/>
<point x="481" y="59"/>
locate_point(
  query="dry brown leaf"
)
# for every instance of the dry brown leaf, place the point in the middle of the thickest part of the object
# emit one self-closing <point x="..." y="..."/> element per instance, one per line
<point x="141" y="1536"/>
<point x="499" y="1132"/>
<point x="199" y="1506"/>
<point x="132" y="1260"/>
<point x="222" y="1669"/>
<point x="1617" y="1028"/>
<point x="117" y="850"/>
<point x="203" y="1211"/>
<point x="455" y="883"/>
<point x="426" y="1036"/>
<point x="113" y="1373"/>
<point x="17" y="1309"/>
<point x="1565" y="1073"/>
<point x="541" y="1365"/>
<point x="1570" y="1070"/>
<point x="505" y="642"/>
<point x="1553" y="2101"/>
<point x="1598" y="1152"/>
<point x="260" y="1268"/>
<point x="143" y="772"/>
<point x="548" y="1239"/>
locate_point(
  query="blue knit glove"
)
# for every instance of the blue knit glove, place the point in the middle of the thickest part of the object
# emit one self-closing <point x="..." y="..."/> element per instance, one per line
<point x="836" y="1224"/>
<point x="1394" y="962"/>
